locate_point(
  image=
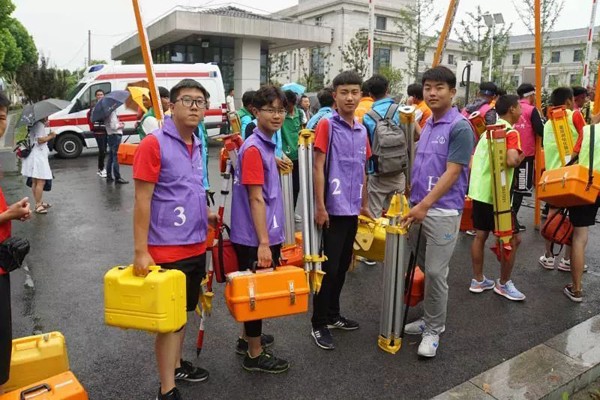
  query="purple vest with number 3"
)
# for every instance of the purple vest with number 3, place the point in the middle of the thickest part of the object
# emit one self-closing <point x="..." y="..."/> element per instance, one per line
<point x="430" y="163"/>
<point x="242" y="224"/>
<point x="345" y="167"/>
<point x="178" y="213"/>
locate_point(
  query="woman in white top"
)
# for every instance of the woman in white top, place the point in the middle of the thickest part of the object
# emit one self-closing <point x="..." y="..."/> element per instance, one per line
<point x="36" y="165"/>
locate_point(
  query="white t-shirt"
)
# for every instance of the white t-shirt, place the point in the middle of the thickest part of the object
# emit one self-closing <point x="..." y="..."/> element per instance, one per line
<point x="230" y="104"/>
<point x="149" y="125"/>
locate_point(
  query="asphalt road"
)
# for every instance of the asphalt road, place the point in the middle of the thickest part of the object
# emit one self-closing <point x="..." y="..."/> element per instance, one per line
<point x="89" y="230"/>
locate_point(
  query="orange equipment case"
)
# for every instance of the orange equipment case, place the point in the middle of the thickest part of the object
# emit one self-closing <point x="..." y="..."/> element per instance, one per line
<point x="417" y="293"/>
<point x="126" y="153"/>
<point x="64" y="386"/>
<point x="292" y="255"/>
<point x="568" y="186"/>
<point x="466" y="221"/>
<point x="267" y="293"/>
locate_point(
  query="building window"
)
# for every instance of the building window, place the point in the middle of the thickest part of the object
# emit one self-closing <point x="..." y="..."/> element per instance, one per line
<point x="421" y="56"/>
<point x="516" y="59"/>
<point x="317" y="65"/>
<point x="380" y="23"/>
<point x="451" y="59"/>
<point x="402" y="49"/>
<point x="381" y="58"/>
<point x="319" y="20"/>
<point x="553" y="81"/>
<point x="578" y="55"/>
<point x="514" y="81"/>
<point x="294" y="61"/>
<point x="533" y="58"/>
<point x="555" y="57"/>
<point x="574" y="79"/>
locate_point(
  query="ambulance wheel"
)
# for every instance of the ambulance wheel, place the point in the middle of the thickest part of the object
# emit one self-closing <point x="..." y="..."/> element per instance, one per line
<point x="68" y="145"/>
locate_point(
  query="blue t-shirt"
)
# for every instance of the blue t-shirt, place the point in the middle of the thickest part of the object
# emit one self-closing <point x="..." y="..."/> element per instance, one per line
<point x="324" y="112"/>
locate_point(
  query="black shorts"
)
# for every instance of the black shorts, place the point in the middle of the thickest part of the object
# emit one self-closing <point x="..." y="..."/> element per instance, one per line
<point x="5" y="328"/>
<point x="248" y="255"/>
<point x="582" y="216"/>
<point x="483" y="217"/>
<point x="194" y="269"/>
<point x="523" y="180"/>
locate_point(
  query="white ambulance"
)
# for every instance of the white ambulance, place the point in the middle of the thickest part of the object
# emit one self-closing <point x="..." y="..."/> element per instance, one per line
<point x="71" y="124"/>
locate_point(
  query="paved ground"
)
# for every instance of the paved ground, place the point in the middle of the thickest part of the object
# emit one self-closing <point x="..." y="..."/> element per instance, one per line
<point x="89" y="230"/>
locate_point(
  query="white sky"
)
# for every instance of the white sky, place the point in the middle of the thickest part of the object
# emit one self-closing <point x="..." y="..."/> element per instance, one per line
<point x="59" y="27"/>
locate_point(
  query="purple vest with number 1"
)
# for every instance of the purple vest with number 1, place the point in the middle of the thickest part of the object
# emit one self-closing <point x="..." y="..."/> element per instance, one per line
<point x="242" y="225"/>
<point x="346" y="158"/>
<point x="430" y="163"/>
<point x="178" y="214"/>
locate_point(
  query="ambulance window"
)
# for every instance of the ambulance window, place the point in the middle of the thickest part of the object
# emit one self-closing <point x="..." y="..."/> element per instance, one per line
<point x="84" y="101"/>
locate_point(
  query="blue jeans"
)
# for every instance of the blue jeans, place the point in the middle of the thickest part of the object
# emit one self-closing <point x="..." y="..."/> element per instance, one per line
<point x="112" y="165"/>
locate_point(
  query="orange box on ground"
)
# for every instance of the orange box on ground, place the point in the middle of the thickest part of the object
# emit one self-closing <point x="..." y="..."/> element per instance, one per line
<point x="64" y="386"/>
<point x="126" y="152"/>
<point x="567" y="186"/>
<point x="417" y="293"/>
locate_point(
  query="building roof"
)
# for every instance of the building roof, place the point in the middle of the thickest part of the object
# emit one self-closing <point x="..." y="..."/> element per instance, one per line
<point x="231" y="11"/>
<point x="564" y="34"/>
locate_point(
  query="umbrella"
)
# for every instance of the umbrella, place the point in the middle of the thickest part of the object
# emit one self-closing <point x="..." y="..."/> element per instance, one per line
<point x="108" y="104"/>
<point x="294" y="87"/>
<point x="137" y="96"/>
<point x="33" y="113"/>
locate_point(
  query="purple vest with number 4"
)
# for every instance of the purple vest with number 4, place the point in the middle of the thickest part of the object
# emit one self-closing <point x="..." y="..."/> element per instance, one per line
<point x="178" y="213"/>
<point x="242" y="224"/>
<point x="430" y="163"/>
<point x="345" y="167"/>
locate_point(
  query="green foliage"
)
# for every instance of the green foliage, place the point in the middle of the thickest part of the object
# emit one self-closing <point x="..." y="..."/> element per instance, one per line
<point x="24" y="41"/>
<point x="16" y="45"/>
<point x="395" y="78"/>
<point x="354" y="54"/>
<point x="96" y="62"/>
<point x="314" y="66"/>
<point x="39" y="81"/>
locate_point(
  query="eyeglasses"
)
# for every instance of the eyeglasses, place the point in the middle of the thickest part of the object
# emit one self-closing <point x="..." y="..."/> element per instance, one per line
<point x="188" y="101"/>
<point x="272" y="111"/>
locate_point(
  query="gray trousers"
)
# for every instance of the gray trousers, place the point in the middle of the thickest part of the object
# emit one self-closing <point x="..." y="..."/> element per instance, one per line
<point x="381" y="189"/>
<point x="438" y="239"/>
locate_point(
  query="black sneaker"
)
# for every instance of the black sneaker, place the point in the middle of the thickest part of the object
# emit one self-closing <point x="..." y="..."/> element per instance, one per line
<point x="265" y="362"/>
<point x="242" y="345"/>
<point x="109" y="179"/>
<point x="121" y="181"/>
<point x="519" y="227"/>
<point x="172" y="394"/>
<point x="187" y="372"/>
<point x="323" y="338"/>
<point x="344" y="324"/>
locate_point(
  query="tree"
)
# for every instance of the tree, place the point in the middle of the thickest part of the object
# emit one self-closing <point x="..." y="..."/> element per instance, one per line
<point x="474" y="37"/>
<point x="354" y="54"/>
<point x="278" y="67"/>
<point x="395" y="78"/>
<point x="24" y="41"/>
<point x="16" y="45"/>
<point x="415" y="21"/>
<point x="314" y="65"/>
<point x="38" y="81"/>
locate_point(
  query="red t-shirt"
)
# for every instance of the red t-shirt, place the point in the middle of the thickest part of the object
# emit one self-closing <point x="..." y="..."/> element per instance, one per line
<point x="513" y="141"/>
<point x="146" y="167"/>
<point x="579" y="123"/>
<point x="322" y="137"/>
<point x="5" y="228"/>
<point x="253" y="172"/>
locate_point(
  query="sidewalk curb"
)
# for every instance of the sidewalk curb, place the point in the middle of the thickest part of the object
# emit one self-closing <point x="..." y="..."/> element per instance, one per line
<point x="566" y="363"/>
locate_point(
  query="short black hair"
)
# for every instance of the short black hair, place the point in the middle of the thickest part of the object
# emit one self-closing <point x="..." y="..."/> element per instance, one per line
<point x="415" y="90"/>
<point x="501" y="92"/>
<point x="579" y="90"/>
<point x="266" y="95"/>
<point x="525" y="88"/>
<point x="230" y="90"/>
<point x="325" y="97"/>
<point x="247" y="98"/>
<point x="186" y="84"/>
<point x="349" y="77"/>
<point x="378" y="86"/>
<point x="505" y="102"/>
<point x="560" y="95"/>
<point x="4" y="101"/>
<point x="99" y="90"/>
<point x="440" y="74"/>
<point x="163" y="91"/>
<point x="291" y="97"/>
<point x="303" y="97"/>
<point x="365" y="88"/>
<point x="488" y="88"/>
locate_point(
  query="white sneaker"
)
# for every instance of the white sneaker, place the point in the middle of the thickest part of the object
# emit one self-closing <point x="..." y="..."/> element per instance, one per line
<point x="102" y="174"/>
<point x="429" y="345"/>
<point x="547" y="262"/>
<point x="471" y="232"/>
<point x="565" y="265"/>
<point x="297" y="218"/>
<point x="418" y="327"/>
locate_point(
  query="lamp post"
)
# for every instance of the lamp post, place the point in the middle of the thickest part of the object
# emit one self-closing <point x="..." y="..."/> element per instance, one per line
<point x="490" y="22"/>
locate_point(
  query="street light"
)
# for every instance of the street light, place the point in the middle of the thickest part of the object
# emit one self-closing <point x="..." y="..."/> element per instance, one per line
<point x="491" y="21"/>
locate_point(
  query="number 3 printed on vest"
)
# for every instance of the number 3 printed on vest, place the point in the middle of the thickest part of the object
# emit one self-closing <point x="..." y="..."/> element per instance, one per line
<point x="180" y="211"/>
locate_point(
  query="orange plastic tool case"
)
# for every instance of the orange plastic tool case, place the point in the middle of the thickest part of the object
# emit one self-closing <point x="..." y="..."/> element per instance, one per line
<point x="267" y="293"/>
<point x="466" y="221"/>
<point x="292" y="255"/>
<point x="568" y="186"/>
<point x="126" y="152"/>
<point x="64" y="386"/>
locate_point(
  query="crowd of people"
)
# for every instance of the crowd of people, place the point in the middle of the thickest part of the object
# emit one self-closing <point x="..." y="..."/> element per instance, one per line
<point x="353" y="175"/>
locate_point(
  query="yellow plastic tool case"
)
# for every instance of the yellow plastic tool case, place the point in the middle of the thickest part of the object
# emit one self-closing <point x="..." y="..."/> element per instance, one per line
<point x="154" y="303"/>
<point x="35" y="358"/>
<point x="63" y="386"/>
<point x="267" y="293"/>
<point x="568" y="186"/>
<point x="369" y="241"/>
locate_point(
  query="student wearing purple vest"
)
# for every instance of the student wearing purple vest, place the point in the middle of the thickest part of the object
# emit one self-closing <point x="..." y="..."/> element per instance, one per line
<point x="438" y="188"/>
<point x="257" y="209"/>
<point x="341" y="151"/>
<point x="170" y="218"/>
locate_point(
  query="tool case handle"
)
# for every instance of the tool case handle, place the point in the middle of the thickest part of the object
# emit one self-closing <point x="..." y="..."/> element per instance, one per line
<point x="34" y="389"/>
